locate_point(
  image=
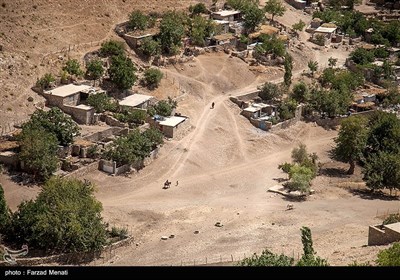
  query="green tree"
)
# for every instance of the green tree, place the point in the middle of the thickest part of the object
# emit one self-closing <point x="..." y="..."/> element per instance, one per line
<point x="5" y="213"/>
<point x="271" y="45"/>
<point x="299" y="26"/>
<point x="135" y="146"/>
<point x="313" y="66"/>
<point x="384" y="134"/>
<point x="362" y="56"/>
<point x="300" y="92"/>
<point x="150" y="47"/>
<point x="270" y="92"/>
<point x="390" y="256"/>
<point x="38" y="151"/>
<point x="388" y="72"/>
<point x="199" y="8"/>
<point x="253" y="16"/>
<point x="45" y="81"/>
<point x="287" y="109"/>
<point x="268" y="258"/>
<point x="55" y="122"/>
<point x="288" y="64"/>
<point x="382" y="170"/>
<point x="152" y="77"/>
<point x="163" y="108"/>
<point x="122" y="72"/>
<point x="94" y="69"/>
<point x="309" y="257"/>
<point x="101" y="102"/>
<point x="351" y="141"/>
<point x="154" y="136"/>
<point x="65" y="217"/>
<point x="200" y="29"/>
<point x="274" y="8"/>
<point x="138" y="20"/>
<point x="137" y="117"/>
<point x="172" y="29"/>
<point x="332" y="62"/>
<point x="111" y="48"/>
<point x="73" y="67"/>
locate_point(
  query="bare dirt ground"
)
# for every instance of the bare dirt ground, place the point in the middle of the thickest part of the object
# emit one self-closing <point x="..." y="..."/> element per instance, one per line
<point x="224" y="166"/>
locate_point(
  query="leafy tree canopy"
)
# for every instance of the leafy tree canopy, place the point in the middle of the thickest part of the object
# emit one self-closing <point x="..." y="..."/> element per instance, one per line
<point x="122" y="72"/>
<point x="111" y="48"/>
<point x="65" y="217"/>
<point x="55" y="122"/>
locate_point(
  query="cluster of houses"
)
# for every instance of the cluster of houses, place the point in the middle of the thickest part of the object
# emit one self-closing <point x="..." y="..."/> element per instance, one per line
<point x="229" y="28"/>
<point x="71" y="100"/>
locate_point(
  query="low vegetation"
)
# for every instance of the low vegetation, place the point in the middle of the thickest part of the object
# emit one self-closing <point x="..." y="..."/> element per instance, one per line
<point x="303" y="169"/>
<point x="152" y="77"/>
<point x="308" y="258"/>
<point x="133" y="147"/>
<point x="101" y="102"/>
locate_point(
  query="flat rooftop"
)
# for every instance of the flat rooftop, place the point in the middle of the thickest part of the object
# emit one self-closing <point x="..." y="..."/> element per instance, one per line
<point x="325" y="29"/>
<point x="68" y="90"/>
<point x="226" y="13"/>
<point x="394" y="227"/>
<point x="135" y="100"/>
<point x="172" y="121"/>
<point x="217" y="21"/>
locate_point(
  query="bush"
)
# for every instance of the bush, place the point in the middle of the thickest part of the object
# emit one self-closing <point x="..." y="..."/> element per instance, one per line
<point x="362" y="56"/>
<point x="138" y="20"/>
<point x="390" y="256"/>
<point x="122" y="72"/>
<point x="111" y="48"/>
<point x="5" y="213"/>
<point x="101" y="102"/>
<point x="270" y="92"/>
<point x="393" y="218"/>
<point x="121" y="233"/>
<point x="199" y="8"/>
<point x="152" y="77"/>
<point x="65" y="217"/>
<point x="137" y="117"/>
<point x="164" y="107"/>
<point x="287" y="109"/>
<point x="73" y="67"/>
<point x="150" y="47"/>
<point x="300" y="92"/>
<point x="45" y="81"/>
<point x="94" y="69"/>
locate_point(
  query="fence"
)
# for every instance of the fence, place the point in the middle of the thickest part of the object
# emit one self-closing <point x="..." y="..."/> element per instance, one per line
<point x="383" y="214"/>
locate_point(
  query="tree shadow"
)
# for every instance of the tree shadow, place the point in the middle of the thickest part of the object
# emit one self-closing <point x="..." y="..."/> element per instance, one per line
<point x="334" y="172"/>
<point x="295" y="198"/>
<point x="280" y="180"/>
<point x="368" y="194"/>
<point x="23" y="179"/>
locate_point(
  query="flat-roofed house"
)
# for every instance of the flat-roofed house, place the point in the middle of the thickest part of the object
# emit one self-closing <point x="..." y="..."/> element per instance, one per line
<point x="227" y="15"/>
<point x="68" y="99"/>
<point x="169" y="126"/>
<point x="136" y="101"/>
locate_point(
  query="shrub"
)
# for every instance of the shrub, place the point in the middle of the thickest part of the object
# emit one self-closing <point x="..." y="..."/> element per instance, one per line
<point x="111" y="48"/>
<point x="152" y="77"/>
<point x="45" y="81"/>
<point x="393" y="218"/>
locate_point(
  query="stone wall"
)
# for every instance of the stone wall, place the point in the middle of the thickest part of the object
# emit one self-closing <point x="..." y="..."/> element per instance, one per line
<point x="81" y="116"/>
<point x="381" y="235"/>
<point x="98" y="136"/>
<point x="111" y="121"/>
<point x="79" y="173"/>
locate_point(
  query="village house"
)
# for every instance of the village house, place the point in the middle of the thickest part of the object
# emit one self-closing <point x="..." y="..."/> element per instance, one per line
<point x="222" y="26"/>
<point x="258" y="110"/>
<point x="227" y="15"/>
<point x="383" y="234"/>
<point x="137" y="101"/>
<point x="298" y="4"/>
<point x="328" y="31"/>
<point x="169" y="126"/>
<point x="69" y="98"/>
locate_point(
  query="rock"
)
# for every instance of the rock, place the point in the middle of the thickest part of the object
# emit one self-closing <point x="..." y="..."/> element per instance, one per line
<point x="218" y="224"/>
<point x="172" y="236"/>
<point x="196" y="232"/>
<point x="273" y="224"/>
<point x="164" y="237"/>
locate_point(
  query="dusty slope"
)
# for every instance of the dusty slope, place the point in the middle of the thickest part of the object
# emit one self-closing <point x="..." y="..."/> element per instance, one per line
<point x="35" y="33"/>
